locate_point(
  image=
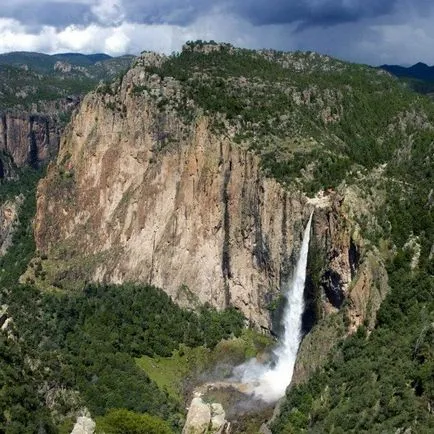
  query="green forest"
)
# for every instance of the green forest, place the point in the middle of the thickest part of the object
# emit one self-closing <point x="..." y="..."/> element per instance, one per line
<point x="27" y="79"/>
<point x="375" y="383"/>
<point x="276" y="111"/>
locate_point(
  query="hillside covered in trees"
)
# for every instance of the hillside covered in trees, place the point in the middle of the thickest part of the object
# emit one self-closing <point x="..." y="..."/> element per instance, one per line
<point x="318" y="127"/>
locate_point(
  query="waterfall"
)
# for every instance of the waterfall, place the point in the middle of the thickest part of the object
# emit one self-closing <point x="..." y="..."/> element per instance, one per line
<point x="270" y="382"/>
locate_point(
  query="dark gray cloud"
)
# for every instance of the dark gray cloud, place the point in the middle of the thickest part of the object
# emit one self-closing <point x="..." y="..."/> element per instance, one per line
<point x="312" y="12"/>
<point x="184" y="12"/>
<point x="372" y="31"/>
<point x="259" y="12"/>
<point x="176" y="12"/>
<point x="49" y="13"/>
<point x="305" y="13"/>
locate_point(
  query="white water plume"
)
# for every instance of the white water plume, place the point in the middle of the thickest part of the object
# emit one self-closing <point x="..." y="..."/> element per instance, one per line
<point x="270" y="382"/>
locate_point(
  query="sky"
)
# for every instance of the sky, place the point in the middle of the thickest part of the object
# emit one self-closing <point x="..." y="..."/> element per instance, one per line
<point x="366" y="31"/>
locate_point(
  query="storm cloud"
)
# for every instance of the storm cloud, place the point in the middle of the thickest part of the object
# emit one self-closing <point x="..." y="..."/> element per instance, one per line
<point x="178" y="12"/>
<point x="51" y="13"/>
<point x="371" y="31"/>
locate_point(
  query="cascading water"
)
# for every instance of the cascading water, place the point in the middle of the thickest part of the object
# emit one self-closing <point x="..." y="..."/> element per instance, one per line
<point x="270" y="382"/>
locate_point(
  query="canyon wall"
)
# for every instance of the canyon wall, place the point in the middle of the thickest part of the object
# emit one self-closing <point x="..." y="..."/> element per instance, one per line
<point x="9" y="211"/>
<point x="140" y="193"/>
<point x="32" y="138"/>
<point x="29" y="139"/>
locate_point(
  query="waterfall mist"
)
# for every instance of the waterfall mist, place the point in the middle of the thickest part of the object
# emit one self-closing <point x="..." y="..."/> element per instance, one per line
<point x="269" y="382"/>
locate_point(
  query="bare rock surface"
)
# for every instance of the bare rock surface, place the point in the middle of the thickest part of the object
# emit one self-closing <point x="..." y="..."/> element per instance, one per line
<point x="205" y="418"/>
<point x="84" y="425"/>
<point x="29" y="138"/>
<point x="8" y="221"/>
<point x="198" y="417"/>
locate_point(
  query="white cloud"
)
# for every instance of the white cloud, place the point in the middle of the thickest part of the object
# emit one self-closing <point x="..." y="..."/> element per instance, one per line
<point x="117" y="43"/>
<point x="109" y="11"/>
<point x="76" y="38"/>
<point x="133" y="38"/>
<point x="376" y="43"/>
<point x="13" y="37"/>
<point x="114" y="40"/>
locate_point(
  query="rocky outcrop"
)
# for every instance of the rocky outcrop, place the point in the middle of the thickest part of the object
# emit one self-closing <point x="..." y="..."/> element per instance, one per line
<point x="204" y="418"/>
<point x="146" y="190"/>
<point x="208" y="47"/>
<point x="84" y="425"/>
<point x="367" y="292"/>
<point x="198" y="418"/>
<point x="8" y="221"/>
<point x="5" y="320"/>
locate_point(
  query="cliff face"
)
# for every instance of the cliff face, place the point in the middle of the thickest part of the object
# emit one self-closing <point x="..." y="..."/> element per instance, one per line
<point x="38" y="92"/>
<point x="29" y="139"/>
<point x="8" y="219"/>
<point x="137" y="194"/>
<point x="32" y="138"/>
<point x="199" y="221"/>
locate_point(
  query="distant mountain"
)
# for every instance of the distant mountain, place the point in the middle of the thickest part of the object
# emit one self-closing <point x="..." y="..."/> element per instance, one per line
<point x="84" y="58"/>
<point x="27" y="78"/>
<point x="419" y="71"/>
<point x="419" y="77"/>
<point x="45" y="63"/>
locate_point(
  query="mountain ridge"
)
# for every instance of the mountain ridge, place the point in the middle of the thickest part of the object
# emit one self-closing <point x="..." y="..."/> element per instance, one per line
<point x="419" y="70"/>
<point x="41" y="62"/>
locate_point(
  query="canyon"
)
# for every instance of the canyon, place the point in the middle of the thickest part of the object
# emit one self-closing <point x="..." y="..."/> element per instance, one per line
<point x="198" y="217"/>
<point x="170" y="213"/>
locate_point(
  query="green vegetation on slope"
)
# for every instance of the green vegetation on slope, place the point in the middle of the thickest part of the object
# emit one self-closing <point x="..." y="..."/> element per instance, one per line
<point x="21" y="407"/>
<point x="383" y="382"/>
<point x="186" y="367"/>
<point x="29" y="78"/>
<point x="22" y="249"/>
<point x="307" y="116"/>
<point x="87" y="341"/>
<point x="23" y="88"/>
<point x="44" y="63"/>
<point x="125" y="421"/>
<point x="376" y="384"/>
<point x="61" y="343"/>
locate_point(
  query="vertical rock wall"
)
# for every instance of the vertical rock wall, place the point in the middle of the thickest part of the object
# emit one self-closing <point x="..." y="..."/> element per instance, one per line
<point x="139" y="194"/>
<point x="29" y="139"/>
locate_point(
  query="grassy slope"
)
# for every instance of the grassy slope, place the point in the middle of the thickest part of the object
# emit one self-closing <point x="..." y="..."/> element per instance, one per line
<point x="186" y="368"/>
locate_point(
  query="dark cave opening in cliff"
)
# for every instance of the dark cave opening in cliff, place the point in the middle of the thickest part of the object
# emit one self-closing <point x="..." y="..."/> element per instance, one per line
<point x="310" y="314"/>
